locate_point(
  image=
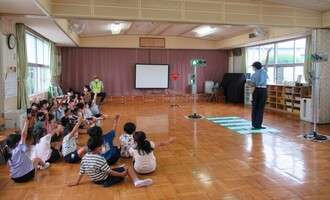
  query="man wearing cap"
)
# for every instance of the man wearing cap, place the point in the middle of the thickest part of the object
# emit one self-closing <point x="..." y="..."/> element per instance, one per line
<point x="259" y="96"/>
<point x="96" y="86"/>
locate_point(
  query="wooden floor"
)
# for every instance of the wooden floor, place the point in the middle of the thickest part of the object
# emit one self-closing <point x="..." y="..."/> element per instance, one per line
<point x="206" y="162"/>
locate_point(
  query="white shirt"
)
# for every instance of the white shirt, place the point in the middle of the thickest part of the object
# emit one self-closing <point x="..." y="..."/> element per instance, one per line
<point x="87" y="113"/>
<point x="69" y="145"/>
<point x="144" y="163"/>
<point x="43" y="149"/>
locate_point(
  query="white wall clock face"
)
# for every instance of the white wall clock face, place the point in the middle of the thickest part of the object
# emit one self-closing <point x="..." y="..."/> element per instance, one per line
<point x="11" y="41"/>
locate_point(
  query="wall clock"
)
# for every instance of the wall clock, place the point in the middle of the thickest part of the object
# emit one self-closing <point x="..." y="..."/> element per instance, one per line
<point x="11" y="41"/>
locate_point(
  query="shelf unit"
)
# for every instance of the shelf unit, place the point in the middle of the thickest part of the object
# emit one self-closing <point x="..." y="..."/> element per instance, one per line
<point x="281" y="97"/>
<point x="286" y="98"/>
<point x="247" y="94"/>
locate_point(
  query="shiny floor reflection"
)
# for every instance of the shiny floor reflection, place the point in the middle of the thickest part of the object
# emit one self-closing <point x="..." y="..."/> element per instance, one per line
<point x="207" y="161"/>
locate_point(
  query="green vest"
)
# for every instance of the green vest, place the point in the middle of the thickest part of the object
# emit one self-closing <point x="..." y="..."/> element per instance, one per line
<point x="96" y="87"/>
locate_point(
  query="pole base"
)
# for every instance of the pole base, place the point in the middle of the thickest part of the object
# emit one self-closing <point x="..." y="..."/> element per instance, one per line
<point x="194" y="116"/>
<point x="314" y="136"/>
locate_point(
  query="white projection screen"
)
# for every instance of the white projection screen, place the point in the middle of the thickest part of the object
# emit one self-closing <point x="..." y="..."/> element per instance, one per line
<point x="153" y="76"/>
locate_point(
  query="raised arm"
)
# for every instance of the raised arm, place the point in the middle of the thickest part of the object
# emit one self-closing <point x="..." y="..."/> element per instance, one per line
<point x="95" y="97"/>
<point x="267" y="58"/>
<point x="24" y="130"/>
<point x="76" y="127"/>
<point x="116" y="122"/>
<point x="162" y="143"/>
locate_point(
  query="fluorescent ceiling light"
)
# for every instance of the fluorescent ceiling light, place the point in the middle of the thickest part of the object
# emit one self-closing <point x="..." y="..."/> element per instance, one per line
<point x="206" y="30"/>
<point x="115" y="28"/>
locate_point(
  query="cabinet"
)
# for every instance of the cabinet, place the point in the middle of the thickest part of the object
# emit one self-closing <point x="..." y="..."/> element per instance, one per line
<point x="286" y="98"/>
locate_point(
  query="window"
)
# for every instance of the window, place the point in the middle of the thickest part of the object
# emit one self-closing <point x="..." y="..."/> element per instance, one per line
<point x="286" y="60"/>
<point x="38" y="78"/>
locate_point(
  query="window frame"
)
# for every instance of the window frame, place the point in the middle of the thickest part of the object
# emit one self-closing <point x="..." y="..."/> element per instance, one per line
<point x="276" y="65"/>
<point x="40" y="80"/>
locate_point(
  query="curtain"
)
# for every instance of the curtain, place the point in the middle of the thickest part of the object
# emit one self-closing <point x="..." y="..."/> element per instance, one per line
<point x="116" y="68"/>
<point x="22" y="97"/>
<point x="243" y="61"/>
<point x="308" y="62"/>
<point x="52" y="65"/>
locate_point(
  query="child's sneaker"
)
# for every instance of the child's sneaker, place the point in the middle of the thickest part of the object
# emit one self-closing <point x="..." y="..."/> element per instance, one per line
<point x="47" y="164"/>
<point x="142" y="183"/>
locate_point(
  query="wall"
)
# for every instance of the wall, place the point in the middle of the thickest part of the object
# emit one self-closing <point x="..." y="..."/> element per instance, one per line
<point x="116" y="68"/>
<point x="9" y="59"/>
<point x="323" y="45"/>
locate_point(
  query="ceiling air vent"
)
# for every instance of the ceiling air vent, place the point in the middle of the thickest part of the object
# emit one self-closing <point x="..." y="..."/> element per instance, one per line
<point x="252" y="35"/>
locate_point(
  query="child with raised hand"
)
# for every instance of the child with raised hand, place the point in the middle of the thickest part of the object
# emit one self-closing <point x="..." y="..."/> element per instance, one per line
<point x="97" y="169"/>
<point x="22" y="168"/>
<point x="43" y="148"/>
<point x="109" y="151"/>
<point x="69" y="144"/>
<point x="94" y="108"/>
<point x="126" y="139"/>
<point x="144" y="161"/>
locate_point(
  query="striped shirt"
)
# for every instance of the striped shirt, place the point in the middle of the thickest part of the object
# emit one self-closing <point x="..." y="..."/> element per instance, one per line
<point x="95" y="166"/>
<point x="20" y="162"/>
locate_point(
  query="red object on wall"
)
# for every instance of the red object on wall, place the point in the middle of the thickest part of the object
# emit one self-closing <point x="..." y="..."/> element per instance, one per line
<point x="175" y="76"/>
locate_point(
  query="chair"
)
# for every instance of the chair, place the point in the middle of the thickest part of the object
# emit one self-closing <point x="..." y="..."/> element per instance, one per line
<point x="208" y="90"/>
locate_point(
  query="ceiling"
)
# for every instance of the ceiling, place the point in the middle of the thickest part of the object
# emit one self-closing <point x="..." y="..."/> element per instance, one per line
<point x="27" y="12"/>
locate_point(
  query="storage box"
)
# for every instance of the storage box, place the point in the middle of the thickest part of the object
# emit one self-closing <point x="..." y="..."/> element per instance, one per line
<point x="14" y="118"/>
<point x="306" y="110"/>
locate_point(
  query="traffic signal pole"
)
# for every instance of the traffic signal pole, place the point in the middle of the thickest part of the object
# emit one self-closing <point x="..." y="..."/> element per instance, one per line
<point x="195" y="63"/>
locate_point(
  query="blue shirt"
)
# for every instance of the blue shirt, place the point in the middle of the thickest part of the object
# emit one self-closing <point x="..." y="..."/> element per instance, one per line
<point x="108" y="149"/>
<point x="259" y="77"/>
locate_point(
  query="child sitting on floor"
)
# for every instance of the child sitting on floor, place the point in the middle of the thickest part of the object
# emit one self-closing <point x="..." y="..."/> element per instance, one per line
<point x="69" y="144"/>
<point x="109" y="151"/>
<point x="144" y="160"/>
<point x="126" y="139"/>
<point x="43" y="148"/>
<point x="22" y="168"/>
<point x="97" y="169"/>
<point x="94" y="108"/>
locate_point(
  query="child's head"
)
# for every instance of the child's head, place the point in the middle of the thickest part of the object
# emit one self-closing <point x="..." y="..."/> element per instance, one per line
<point x="80" y="105"/>
<point x="129" y="128"/>
<point x="11" y="142"/>
<point x="95" y="131"/>
<point x="28" y="112"/>
<point x="76" y="111"/>
<point x="35" y="106"/>
<point x="95" y="143"/>
<point x="67" y="111"/>
<point x="142" y="144"/>
<point x="40" y="116"/>
<point x="64" y="105"/>
<point x="87" y="88"/>
<point x="51" y="118"/>
<point x="70" y="92"/>
<point x="39" y="133"/>
<point x="44" y="104"/>
<point x="68" y="128"/>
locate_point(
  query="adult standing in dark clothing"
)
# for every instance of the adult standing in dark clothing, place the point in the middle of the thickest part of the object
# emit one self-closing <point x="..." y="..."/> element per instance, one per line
<point x="259" y="96"/>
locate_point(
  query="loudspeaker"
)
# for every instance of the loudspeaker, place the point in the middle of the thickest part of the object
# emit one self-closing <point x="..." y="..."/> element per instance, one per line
<point x="237" y="52"/>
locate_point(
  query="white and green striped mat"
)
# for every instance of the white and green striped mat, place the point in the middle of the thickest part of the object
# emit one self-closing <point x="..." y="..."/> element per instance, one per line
<point x="239" y="125"/>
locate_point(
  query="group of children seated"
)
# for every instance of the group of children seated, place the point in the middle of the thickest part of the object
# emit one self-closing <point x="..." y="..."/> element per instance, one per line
<point x="55" y="128"/>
